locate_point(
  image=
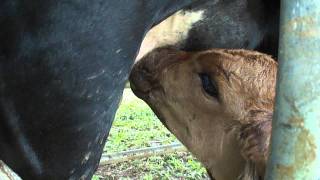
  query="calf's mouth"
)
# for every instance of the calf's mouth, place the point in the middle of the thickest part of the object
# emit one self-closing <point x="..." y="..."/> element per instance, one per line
<point x="143" y="80"/>
<point x="144" y="77"/>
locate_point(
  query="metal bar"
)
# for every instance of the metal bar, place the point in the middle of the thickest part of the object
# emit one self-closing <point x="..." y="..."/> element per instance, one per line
<point x="295" y="147"/>
<point x="140" y="153"/>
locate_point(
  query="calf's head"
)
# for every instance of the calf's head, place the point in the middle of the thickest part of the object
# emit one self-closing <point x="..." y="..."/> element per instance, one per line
<point x="206" y="99"/>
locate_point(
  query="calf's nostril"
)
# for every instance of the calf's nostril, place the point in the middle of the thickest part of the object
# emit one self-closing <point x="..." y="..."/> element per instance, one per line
<point x="139" y="75"/>
<point x="140" y="81"/>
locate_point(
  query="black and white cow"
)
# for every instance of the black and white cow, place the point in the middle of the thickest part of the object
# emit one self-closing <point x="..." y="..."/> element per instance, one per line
<point x="63" y="66"/>
<point x="246" y="24"/>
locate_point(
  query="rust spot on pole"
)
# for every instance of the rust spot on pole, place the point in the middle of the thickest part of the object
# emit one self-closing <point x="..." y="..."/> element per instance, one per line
<point x="304" y="150"/>
<point x="301" y="23"/>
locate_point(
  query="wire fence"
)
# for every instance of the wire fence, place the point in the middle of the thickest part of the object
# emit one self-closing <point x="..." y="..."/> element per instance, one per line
<point x="140" y="153"/>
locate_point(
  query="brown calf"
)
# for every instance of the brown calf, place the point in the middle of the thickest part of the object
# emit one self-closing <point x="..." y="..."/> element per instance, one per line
<point x="218" y="103"/>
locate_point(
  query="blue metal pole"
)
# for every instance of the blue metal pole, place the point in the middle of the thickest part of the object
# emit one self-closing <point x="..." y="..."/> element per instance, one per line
<point x="295" y="146"/>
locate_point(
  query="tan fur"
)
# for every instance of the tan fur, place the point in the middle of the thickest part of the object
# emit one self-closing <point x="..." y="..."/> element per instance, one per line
<point x="217" y="131"/>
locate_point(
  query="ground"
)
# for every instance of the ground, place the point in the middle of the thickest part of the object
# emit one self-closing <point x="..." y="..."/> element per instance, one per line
<point x="135" y="127"/>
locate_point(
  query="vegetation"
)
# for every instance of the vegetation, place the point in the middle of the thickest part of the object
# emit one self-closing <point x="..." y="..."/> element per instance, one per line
<point x="136" y="126"/>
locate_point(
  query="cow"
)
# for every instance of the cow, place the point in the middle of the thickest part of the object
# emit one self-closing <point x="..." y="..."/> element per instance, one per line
<point x="218" y="103"/>
<point x="63" y="67"/>
<point x="243" y="24"/>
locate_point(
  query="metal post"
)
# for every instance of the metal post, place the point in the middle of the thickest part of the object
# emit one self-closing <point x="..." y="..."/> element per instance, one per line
<point x="295" y="147"/>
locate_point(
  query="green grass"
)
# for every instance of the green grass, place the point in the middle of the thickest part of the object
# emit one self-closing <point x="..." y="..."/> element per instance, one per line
<point x="136" y="126"/>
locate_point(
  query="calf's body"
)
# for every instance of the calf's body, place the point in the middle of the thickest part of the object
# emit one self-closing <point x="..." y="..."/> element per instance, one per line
<point x="218" y="103"/>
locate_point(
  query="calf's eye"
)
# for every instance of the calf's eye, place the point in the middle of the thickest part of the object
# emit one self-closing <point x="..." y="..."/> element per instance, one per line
<point x="209" y="85"/>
